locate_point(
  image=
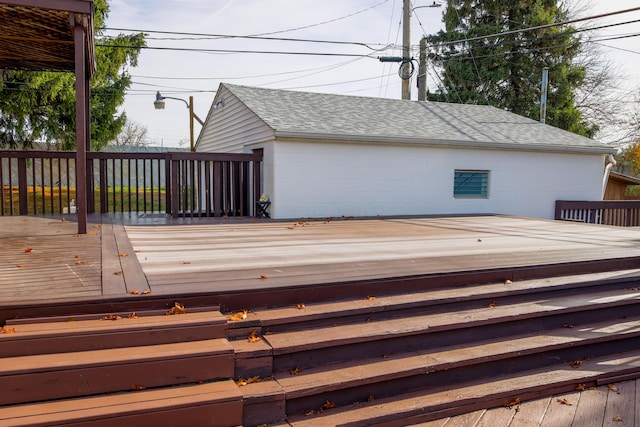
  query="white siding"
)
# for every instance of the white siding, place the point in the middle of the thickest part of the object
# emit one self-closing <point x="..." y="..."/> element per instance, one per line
<point x="231" y="128"/>
<point x="336" y="179"/>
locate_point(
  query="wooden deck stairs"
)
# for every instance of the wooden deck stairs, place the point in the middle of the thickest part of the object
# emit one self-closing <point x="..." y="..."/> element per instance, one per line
<point x="407" y="358"/>
<point x="124" y="369"/>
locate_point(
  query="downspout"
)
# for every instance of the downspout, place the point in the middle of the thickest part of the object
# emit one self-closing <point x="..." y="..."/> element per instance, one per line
<point x="607" y="171"/>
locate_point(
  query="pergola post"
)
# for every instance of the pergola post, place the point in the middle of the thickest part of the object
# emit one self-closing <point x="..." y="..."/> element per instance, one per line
<point x="82" y="123"/>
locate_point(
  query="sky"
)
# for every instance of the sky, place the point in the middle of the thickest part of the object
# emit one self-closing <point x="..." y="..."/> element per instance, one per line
<point x="370" y="28"/>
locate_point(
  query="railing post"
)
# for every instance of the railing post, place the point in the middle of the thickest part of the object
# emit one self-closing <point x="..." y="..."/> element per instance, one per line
<point x="174" y="187"/>
<point x="23" y="194"/>
<point x="558" y="210"/>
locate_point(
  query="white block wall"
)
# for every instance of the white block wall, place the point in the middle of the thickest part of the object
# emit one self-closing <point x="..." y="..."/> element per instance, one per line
<point x="327" y="179"/>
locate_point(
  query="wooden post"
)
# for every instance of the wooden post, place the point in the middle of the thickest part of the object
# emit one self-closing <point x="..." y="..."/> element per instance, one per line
<point x="406" y="46"/>
<point x="422" y="71"/>
<point x="81" y="124"/>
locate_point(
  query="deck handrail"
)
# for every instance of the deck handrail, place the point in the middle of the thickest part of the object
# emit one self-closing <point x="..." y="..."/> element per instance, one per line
<point x="177" y="183"/>
<point x="621" y="213"/>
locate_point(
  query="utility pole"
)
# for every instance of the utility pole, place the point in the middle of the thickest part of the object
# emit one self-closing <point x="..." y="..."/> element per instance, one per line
<point x="406" y="47"/>
<point x="422" y="71"/>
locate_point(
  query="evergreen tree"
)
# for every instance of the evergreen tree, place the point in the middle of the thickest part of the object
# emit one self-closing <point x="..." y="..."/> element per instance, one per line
<point x="505" y="71"/>
<point x="40" y="106"/>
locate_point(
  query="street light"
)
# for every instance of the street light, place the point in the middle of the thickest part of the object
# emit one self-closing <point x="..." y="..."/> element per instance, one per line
<point x="158" y="104"/>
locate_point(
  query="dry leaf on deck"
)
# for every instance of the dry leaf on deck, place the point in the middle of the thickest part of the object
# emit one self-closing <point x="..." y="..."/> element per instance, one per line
<point x="253" y="336"/>
<point x="370" y="399"/>
<point x="146" y="292"/>
<point x="613" y="387"/>
<point x="299" y="306"/>
<point x="238" y="316"/>
<point x="508" y="282"/>
<point x="134" y="292"/>
<point x="370" y="298"/>
<point x="20" y="265"/>
<point x="295" y="371"/>
<point x="28" y="250"/>
<point x="123" y="255"/>
<point x="564" y="401"/>
<point x="117" y="273"/>
<point x="328" y="405"/>
<point x="581" y="387"/>
<point x="132" y="316"/>
<point x="111" y="317"/>
<point x="135" y="387"/>
<point x="177" y="309"/>
<point x="576" y="364"/>
<point x="618" y="419"/>
<point x="91" y="233"/>
<point x="262" y="276"/>
<point x="492" y="304"/>
<point x="242" y="382"/>
<point x="186" y="262"/>
<point x="63" y="220"/>
<point x="7" y="331"/>
<point x="514" y="402"/>
<point x="80" y="262"/>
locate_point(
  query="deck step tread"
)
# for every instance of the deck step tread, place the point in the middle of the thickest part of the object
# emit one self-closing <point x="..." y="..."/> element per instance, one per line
<point x="65" y="412"/>
<point x="321" y="337"/>
<point x="291" y="314"/>
<point x="124" y="323"/>
<point x="354" y="373"/>
<point x="485" y="393"/>
<point x="97" y="358"/>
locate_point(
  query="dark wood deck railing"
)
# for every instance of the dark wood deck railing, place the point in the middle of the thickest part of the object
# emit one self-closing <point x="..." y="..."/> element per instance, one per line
<point x="177" y="183"/>
<point x="622" y="213"/>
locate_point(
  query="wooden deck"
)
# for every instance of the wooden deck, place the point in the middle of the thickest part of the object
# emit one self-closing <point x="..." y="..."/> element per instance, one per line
<point x="44" y="263"/>
<point x="610" y="405"/>
<point x="43" y="259"/>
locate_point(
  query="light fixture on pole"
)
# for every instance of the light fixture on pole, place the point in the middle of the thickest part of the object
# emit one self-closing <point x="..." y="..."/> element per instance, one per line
<point x="158" y="104"/>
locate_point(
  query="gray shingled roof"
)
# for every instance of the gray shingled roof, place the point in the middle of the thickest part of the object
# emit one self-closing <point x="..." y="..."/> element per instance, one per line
<point x="328" y="116"/>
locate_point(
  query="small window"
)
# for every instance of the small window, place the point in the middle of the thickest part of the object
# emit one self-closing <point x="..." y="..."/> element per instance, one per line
<point x="471" y="184"/>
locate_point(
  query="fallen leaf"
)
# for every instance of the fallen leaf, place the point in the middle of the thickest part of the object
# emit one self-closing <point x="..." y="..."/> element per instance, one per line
<point x="295" y="371"/>
<point x="613" y="387"/>
<point x="132" y="316"/>
<point x="492" y="304"/>
<point x="20" y="265"/>
<point x="369" y="319"/>
<point x="80" y="262"/>
<point x="123" y="255"/>
<point x="134" y="292"/>
<point x="568" y="326"/>
<point x="576" y="364"/>
<point x="239" y="316"/>
<point x="262" y="276"/>
<point x="479" y="240"/>
<point x="311" y="412"/>
<point x="507" y="282"/>
<point x="111" y="317"/>
<point x="97" y="226"/>
<point x="63" y="220"/>
<point x="581" y="387"/>
<point x="7" y="331"/>
<point x="328" y="405"/>
<point x="370" y="298"/>
<point x="514" y="402"/>
<point x="28" y="250"/>
<point x="137" y="387"/>
<point x="253" y="336"/>
<point x="634" y="289"/>
<point x="299" y="306"/>
<point x="77" y="256"/>
<point x="177" y="309"/>
<point x="242" y="382"/>
<point x="146" y="292"/>
<point x="117" y="273"/>
<point x="370" y="399"/>
<point x="91" y="233"/>
<point x="137" y="250"/>
<point x="291" y="227"/>
<point x="564" y="401"/>
<point x="618" y="419"/>
<point x="186" y="262"/>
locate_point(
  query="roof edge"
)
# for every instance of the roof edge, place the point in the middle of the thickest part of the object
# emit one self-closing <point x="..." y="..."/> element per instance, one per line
<point x="447" y="143"/>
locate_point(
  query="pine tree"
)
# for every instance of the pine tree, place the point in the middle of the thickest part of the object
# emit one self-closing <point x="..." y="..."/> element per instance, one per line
<point x="40" y="106"/>
<point x="505" y="71"/>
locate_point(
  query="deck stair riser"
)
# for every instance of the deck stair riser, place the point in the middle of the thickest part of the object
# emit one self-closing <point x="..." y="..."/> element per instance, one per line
<point x="82" y="335"/>
<point x="150" y="369"/>
<point x="391" y="345"/>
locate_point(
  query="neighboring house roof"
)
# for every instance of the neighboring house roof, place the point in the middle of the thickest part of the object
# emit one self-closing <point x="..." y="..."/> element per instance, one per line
<point x="354" y="118"/>
<point x="625" y="179"/>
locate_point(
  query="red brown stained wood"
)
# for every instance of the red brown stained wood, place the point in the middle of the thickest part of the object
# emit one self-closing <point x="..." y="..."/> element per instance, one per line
<point x="217" y="404"/>
<point x="495" y="417"/>
<point x="561" y="414"/>
<point x="530" y="413"/>
<point x="591" y="407"/>
<point x="59" y="337"/>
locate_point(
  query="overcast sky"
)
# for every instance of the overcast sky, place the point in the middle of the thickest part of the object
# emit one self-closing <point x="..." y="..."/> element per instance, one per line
<point x="369" y="26"/>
